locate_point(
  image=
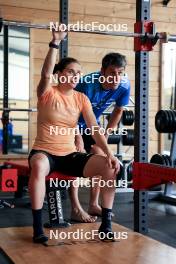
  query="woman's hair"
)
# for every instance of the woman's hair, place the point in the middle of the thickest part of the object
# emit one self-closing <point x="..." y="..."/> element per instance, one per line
<point x="63" y="63"/>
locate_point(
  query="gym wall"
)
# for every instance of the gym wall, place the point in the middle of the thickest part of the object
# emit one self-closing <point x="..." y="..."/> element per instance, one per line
<point x="88" y="48"/>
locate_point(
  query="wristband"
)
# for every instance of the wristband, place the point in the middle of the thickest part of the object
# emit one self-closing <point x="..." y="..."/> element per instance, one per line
<point x="52" y="45"/>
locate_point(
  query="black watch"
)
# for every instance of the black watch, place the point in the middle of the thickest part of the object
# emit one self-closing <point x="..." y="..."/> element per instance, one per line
<point x="52" y="45"/>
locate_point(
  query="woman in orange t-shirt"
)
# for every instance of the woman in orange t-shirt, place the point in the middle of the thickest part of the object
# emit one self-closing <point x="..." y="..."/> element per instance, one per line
<point x="59" y="108"/>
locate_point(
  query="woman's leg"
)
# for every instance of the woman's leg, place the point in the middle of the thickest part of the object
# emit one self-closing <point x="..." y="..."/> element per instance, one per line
<point x="40" y="167"/>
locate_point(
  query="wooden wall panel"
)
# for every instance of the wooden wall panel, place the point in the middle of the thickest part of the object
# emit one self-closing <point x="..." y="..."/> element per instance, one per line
<point x="28" y="14"/>
<point x="32" y="4"/>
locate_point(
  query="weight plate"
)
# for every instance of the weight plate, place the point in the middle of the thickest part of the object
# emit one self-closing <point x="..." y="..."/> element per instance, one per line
<point x="170" y="125"/>
<point x="166" y="160"/>
<point x="157" y="159"/>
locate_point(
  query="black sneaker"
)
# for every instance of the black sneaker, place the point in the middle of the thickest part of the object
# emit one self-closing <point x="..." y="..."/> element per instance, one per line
<point x="40" y="239"/>
<point x="106" y="235"/>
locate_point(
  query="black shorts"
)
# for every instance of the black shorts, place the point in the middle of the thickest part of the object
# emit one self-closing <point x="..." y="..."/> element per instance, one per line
<point x="72" y="164"/>
<point x="88" y="142"/>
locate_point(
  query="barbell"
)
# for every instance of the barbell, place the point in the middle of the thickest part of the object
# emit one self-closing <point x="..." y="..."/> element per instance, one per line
<point x="18" y="109"/>
<point x="162" y="35"/>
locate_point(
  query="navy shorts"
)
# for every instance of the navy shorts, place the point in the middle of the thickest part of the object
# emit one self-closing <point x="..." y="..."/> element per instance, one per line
<point x="72" y="164"/>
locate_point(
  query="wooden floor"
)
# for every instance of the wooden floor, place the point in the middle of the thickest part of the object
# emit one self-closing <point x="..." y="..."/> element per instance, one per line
<point x="136" y="249"/>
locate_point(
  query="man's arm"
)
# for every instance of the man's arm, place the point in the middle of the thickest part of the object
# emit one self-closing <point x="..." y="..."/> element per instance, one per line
<point x="118" y="109"/>
<point x="100" y="140"/>
<point x="115" y="118"/>
<point x="49" y="63"/>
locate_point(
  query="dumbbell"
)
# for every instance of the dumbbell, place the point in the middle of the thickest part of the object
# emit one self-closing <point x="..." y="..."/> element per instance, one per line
<point x="127" y="118"/>
<point x="128" y="139"/>
<point x="114" y="139"/>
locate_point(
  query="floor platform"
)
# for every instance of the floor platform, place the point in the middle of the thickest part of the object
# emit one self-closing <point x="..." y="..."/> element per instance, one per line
<point x="135" y="249"/>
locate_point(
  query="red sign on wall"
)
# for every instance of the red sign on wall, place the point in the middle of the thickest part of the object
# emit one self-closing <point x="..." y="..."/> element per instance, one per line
<point x="8" y="180"/>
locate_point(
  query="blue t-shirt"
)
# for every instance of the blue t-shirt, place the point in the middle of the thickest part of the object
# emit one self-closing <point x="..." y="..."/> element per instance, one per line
<point x="100" y="98"/>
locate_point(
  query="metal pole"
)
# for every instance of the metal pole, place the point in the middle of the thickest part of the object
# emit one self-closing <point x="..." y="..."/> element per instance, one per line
<point x="141" y="119"/>
<point x="64" y="20"/>
<point x="5" y="114"/>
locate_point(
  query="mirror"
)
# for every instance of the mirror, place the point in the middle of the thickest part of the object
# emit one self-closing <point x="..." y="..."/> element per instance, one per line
<point x="168" y="84"/>
<point x="18" y="91"/>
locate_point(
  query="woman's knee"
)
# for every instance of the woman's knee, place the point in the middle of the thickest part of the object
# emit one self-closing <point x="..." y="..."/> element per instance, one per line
<point x="98" y="165"/>
<point x="39" y="165"/>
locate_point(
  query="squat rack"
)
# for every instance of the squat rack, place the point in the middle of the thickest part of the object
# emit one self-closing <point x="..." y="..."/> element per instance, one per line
<point x="144" y="39"/>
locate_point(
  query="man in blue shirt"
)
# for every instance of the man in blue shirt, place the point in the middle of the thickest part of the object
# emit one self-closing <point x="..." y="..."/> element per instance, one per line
<point x="103" y="88"/>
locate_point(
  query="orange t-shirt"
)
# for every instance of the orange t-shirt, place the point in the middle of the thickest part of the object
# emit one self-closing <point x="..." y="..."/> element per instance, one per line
<point x="57" y="118"/>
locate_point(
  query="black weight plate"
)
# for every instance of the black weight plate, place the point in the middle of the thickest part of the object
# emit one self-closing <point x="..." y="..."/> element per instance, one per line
<point x="166" y="160"/>
<point x="129" y="172"/>
<point x="127" y="118"/>
<point x="131" y="118"/>
<point x="125" y="140"/>
<point x="132" y="114"/>
<point x="167" y="118"/>
<point x="161" y="121"/>
<point x="128" y="140"/>
<point x="157" y="159"/>
<point x="171" y="128"/>
<point x="169" y="160"/>
<point x="124" y="117"/>
<point x="114" y="139"/>
<point x="173" y="120"/>
<point x="132" y="136"/>
<point x="174" y="115"/>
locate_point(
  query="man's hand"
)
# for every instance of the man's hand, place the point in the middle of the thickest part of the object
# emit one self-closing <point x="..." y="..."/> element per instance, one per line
<point x="79" y="143"/>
